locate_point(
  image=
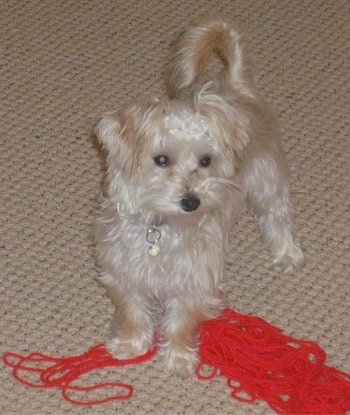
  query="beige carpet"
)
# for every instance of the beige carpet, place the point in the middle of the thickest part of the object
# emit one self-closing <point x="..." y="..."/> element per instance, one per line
<point x="63" y="63"/>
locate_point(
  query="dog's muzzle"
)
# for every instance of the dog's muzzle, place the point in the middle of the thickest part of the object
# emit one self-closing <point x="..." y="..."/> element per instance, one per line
<point x="190" y="203"/>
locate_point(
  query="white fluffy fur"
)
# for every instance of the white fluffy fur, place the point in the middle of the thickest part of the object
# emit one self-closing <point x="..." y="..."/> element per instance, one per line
<point x="224" y="120"/>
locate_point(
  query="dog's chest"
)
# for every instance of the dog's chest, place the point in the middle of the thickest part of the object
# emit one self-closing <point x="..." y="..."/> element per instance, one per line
<point x="181" y="258"/>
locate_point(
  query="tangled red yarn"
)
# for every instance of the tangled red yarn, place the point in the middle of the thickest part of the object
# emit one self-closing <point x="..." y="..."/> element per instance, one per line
<point x="258" y="360"/>
<point x="261" y="363"/>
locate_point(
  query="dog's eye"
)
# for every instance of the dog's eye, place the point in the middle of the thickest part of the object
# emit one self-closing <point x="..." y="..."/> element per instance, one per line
<point x="161" y="160"/>
<point x="205" y="161"/>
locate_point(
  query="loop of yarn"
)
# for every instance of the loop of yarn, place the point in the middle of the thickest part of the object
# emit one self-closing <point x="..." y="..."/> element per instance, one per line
<point x="257" y="359"/>
<point x="54" y="372"/>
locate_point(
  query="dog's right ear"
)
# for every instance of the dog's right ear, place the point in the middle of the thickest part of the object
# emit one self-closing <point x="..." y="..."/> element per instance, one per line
<point x="121" y="135"/>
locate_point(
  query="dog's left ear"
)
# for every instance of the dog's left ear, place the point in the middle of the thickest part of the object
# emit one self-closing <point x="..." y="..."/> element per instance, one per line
<point x="121" y="135"/>
<point x="229" y="122"/>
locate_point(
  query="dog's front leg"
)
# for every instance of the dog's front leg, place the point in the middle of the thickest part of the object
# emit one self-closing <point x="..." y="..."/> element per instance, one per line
<point x="132" y="331"/>
<point x="269" y="199"/>
<point x="179" y="336"/>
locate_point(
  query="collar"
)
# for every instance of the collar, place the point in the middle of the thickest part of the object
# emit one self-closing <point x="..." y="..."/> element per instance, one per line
<point x="139" y="218"/>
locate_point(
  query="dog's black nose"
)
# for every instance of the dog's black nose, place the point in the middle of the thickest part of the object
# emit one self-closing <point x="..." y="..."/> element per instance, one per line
<point x="190" y="203"/>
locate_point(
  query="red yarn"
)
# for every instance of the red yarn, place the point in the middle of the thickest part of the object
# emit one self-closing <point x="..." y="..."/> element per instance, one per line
<point x="258" y="360"/>
<point x="62" y="372"/>
<point x="261" y="363"/>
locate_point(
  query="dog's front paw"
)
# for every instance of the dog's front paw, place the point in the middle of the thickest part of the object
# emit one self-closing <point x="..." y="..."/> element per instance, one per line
<point x="128" y="348"/>
<point x="290" y="259"/>
<point x="182" y="363"/>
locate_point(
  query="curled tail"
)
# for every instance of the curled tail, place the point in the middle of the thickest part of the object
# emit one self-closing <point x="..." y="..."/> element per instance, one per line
<point x="194" y="49"/>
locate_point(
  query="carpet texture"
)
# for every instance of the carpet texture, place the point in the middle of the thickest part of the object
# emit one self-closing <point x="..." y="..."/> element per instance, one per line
<point x="62" y="64"/>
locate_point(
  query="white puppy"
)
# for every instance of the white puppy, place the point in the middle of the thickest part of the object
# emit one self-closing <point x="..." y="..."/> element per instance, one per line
<point x="179" y="172"/>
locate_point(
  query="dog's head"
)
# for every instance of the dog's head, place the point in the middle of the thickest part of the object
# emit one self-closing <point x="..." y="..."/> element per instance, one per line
<point x="171" y="158"/>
